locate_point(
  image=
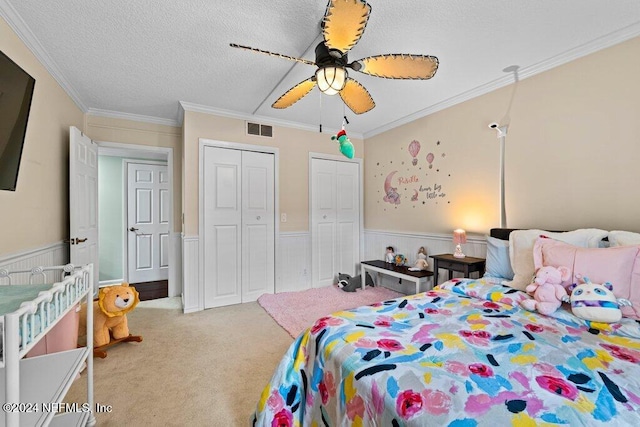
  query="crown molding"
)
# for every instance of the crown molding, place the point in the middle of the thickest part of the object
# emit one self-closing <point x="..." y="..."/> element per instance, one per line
<point x="593" y="46"/>
<point x="134" y="117"/>
<point x="197" y="108"/>
<point x="25" y="34"/>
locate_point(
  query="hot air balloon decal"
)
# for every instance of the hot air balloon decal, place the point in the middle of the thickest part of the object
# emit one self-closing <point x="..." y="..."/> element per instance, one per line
<point x="414" y="149"/>
<point x="430" y="157"/>
<point x="391" y="193"/>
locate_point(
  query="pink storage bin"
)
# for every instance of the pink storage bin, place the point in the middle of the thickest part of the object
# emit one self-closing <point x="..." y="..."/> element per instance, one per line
<point x="63" y="336"/>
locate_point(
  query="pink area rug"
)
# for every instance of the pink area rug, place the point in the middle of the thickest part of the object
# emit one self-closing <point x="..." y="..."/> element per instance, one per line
<point x="296" y="311"/>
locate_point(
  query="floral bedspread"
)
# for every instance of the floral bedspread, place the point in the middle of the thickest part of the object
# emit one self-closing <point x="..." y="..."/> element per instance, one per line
<point x="464" y="354"/>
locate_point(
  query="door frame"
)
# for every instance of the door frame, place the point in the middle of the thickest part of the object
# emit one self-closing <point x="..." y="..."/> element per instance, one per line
<point x="204" y="142"/>
<point x="127" y="150"/>
<point x="125" y="203"/>
<point x="323" y="156"/>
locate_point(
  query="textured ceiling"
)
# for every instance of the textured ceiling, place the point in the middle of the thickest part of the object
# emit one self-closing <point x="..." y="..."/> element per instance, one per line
<point x="142" y="57"/>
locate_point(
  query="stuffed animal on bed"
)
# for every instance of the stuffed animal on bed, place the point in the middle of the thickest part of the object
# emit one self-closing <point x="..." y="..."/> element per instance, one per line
<point x="595" y="302"/>
<point x="110" y="313"/>
<point x="350" y="284"/>
<point x="547" y="290"/>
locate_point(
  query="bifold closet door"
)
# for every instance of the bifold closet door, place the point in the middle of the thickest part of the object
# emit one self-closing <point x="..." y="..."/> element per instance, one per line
<point x="335" y="219"/>
<point x="258" y="225"/>
<point x="222" y="226"/>
<point x="239" y="226"/>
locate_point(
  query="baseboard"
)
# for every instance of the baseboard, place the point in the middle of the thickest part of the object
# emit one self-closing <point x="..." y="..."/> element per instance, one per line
<point x="110" y="282"/>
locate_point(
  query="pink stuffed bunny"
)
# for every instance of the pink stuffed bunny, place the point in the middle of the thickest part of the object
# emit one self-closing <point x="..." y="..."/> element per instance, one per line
<point x="547" y="289"/>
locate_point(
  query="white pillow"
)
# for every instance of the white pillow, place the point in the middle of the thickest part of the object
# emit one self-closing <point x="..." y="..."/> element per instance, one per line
<point x="623" y="238"/>
<point x="521" y="250"/>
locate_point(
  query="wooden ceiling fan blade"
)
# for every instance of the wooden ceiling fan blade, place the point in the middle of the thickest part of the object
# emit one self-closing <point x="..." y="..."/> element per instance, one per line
<point x="295" y="94"/>
<point x="277" y="55"/>
<point x="356" y="97"/>
<point x="344" y="22"/>
<point x="398" y="66"/>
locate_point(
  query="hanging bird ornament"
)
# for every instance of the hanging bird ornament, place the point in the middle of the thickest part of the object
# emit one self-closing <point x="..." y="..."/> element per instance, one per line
<point x="346" y="147"/>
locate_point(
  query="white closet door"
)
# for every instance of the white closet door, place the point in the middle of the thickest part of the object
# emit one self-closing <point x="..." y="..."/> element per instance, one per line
<point x="222" y="226"/>
<point x="347" y="217"/>
<point x="258" y="225"/>
<point x="323" y="222"/>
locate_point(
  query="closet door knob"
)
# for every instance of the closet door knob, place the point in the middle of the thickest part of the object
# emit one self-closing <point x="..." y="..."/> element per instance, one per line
<point x="258" y="217"/>
<point x="324" y="217"/>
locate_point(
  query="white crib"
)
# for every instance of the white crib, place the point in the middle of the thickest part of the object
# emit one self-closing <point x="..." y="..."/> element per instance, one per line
<point x="33" y="388"/>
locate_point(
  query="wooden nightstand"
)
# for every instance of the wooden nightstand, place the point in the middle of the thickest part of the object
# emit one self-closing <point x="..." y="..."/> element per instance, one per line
<point x="466" y="265"/>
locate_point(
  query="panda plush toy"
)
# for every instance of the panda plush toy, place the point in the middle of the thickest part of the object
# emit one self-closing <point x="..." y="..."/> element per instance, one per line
<point x="350" y="284"/>
<point x="595" y="302"/>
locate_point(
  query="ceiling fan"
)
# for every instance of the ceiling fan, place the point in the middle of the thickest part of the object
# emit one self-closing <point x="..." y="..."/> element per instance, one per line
<point x="342" y="27"/>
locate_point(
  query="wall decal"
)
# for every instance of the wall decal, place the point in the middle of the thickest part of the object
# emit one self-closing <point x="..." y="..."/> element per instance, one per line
<point x="430" y="158"/>
<point x="414" y="149"/>
<point x="391" y="193"/>
<point x="420" y="187"/>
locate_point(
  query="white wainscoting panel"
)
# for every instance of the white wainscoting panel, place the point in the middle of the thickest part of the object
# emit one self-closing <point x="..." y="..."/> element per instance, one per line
<point x="294" y="260"/>
<point x="191" y="297"/>
<point x="175" y="279"/>
<point x="407" y="244"/>
<point x="46" y="256"/>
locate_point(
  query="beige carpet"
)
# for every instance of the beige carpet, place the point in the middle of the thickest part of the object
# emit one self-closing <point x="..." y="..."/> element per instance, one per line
<point x="200" y="369"/>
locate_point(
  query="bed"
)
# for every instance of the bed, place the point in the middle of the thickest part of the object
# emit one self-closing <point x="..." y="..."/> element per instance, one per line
<point x="32" y="387"/>
<point x="463" y="354"/>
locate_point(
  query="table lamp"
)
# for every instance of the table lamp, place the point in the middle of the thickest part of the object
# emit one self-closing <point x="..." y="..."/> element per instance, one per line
<point x="459" y="238"/>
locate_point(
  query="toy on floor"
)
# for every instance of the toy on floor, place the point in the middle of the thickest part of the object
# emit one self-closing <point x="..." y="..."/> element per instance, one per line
<point x="547" y="290"/>
<point x="110" y="317"/>
<point x="595" y="302"/>
<point x="350" y="284"/>
<point x="421" y="259"/>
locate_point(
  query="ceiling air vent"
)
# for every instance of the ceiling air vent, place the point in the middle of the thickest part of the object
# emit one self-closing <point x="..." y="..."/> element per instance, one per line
<point x="259" y="130"/>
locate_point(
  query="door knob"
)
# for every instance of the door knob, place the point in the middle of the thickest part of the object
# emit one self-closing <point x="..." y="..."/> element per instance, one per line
<point x="81" y="240"/>
<point x="324" y="217"/>
<point x="133" y="229"/>
<point x="258" y="217"/>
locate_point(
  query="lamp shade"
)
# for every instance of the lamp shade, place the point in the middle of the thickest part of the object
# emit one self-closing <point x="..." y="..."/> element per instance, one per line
<point x="331" y="79"/>
<point x="459" y="236"/>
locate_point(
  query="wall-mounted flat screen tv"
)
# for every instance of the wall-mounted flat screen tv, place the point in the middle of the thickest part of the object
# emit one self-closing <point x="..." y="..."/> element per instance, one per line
<point x="16" y="91"/>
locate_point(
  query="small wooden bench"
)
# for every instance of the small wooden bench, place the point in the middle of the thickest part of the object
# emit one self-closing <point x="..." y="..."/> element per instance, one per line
<point x="401" y="272"/>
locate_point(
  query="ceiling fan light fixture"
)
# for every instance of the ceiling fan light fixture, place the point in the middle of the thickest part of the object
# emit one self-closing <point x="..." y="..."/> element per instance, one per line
<point x="331" y="79"/>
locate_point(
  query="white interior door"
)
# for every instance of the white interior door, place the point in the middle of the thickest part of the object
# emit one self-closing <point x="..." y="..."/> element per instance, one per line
<point x="83" y="200"/>
<point x="222" y="224"/>
<point x="258" y="225"/>
<point x="348" y="217"/>
<point x="147" y="222"/>
<point x="323" y="222"/>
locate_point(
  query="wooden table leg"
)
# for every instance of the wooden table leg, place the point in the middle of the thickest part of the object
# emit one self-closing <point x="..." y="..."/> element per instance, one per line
<point x="435" y="272"/>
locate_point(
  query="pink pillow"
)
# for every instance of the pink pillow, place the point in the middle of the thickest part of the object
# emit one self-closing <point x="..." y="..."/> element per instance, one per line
<point x="619" y="265"/>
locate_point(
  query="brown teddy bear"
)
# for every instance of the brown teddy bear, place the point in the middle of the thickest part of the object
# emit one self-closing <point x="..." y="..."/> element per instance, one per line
<point x="109" y="313"/>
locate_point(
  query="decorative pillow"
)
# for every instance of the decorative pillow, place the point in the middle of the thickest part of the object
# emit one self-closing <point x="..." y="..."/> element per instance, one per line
<point x="618" y="265"/>
<point x="498" y="263"/>
<point x="521" y="249"/>
<point x="623" y="238"/>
